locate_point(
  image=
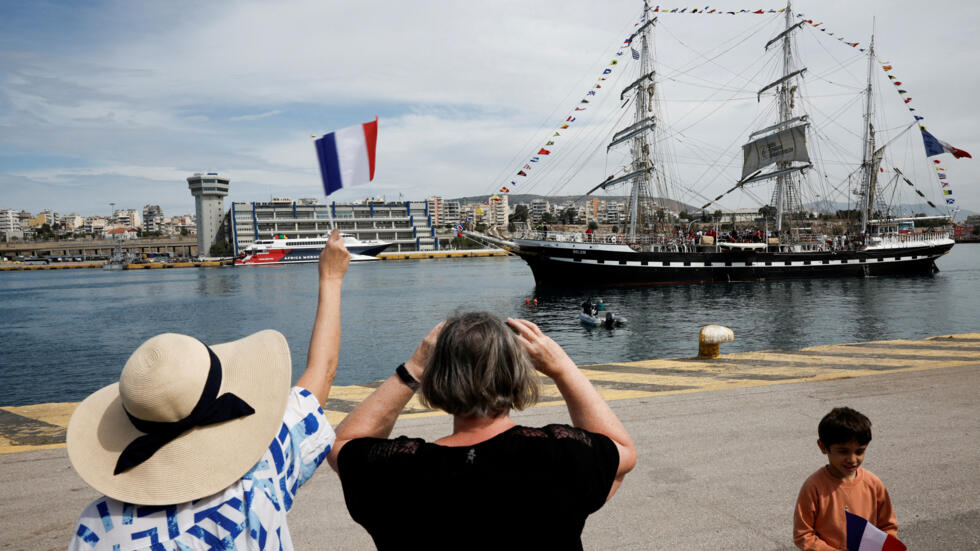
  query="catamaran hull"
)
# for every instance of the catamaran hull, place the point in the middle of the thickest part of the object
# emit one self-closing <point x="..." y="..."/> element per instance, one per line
<point x="563" y="266"/>
<point x="304" y="255"/>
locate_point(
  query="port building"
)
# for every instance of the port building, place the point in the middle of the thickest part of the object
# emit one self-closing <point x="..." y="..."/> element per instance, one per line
<point x="407" y="225"/>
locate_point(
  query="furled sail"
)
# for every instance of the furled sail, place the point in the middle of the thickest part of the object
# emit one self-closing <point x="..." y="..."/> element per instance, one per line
<point x="785" y="145"/>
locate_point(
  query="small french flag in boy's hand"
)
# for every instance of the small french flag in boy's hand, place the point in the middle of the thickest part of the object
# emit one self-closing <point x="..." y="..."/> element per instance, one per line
<point x="347" y="156"/>
<point x="863" y="536"/>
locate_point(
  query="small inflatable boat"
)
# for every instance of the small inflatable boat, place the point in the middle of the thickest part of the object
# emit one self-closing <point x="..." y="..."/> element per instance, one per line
<point x="604" y="319"/>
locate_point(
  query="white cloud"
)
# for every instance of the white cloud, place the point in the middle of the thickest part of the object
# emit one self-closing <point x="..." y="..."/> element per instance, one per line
<point x="256" y="116"/>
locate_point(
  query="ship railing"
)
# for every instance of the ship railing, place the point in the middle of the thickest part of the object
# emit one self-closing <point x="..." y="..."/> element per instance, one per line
<point x="907" y="239"/>
<point x="660" y="242"/>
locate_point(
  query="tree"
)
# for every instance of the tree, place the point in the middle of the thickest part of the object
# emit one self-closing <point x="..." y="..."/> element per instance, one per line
<point x="520" y="213"/>
<point x="593" y="225"/>
<point x="768" y="211"/>
<point x="683" y="214"/>
<point x="220" y="248"/>
<point x="568" y="216"/>
<point x="548" y="218"/>
<point x="511" y="227"/>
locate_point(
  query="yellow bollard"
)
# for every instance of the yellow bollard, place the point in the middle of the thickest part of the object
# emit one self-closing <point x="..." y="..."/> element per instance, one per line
<point x="710" y="339"/>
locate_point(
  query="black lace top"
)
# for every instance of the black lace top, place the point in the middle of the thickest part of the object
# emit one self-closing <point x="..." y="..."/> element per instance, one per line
<point x="524" y="488"/>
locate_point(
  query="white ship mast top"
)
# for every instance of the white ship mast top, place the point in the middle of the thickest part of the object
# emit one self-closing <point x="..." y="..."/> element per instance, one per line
<point x="643" y="121"/>
<point x="869" y="162"/>
<point x="783" y="143"/>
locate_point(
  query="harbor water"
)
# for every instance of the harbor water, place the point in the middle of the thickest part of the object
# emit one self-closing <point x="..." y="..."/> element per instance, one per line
<point x="64" y="334"/>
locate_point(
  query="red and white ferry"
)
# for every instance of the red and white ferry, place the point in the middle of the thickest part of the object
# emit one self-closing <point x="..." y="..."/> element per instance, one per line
<point x="284" y="250"/>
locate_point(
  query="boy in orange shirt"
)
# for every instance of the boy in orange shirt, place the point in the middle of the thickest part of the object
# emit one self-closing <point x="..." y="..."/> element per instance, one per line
<point x="819" y="522"/>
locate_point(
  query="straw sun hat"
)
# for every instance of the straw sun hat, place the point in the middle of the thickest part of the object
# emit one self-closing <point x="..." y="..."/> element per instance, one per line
<point x="206" y="416"/>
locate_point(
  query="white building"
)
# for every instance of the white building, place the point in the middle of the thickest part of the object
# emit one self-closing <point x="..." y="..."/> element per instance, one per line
<point x="10" y="225"/>
<point x="94" y="225"/>
<point x="209" y="190"/>
<point x="614" y="212"/>
<point x="538" y="208"/>
<point x="443" y="212"/>
<point x="129" y="218"/>
<point x="407" y="225"/>
<point x="152" y="218"/>
<point x="72" y="222"/>
<point x="499" y="212"/>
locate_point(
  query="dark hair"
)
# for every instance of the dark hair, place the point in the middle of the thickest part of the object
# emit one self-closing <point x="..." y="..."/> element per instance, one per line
<point x="478" y="368"/>
<point x="842" y="425"/>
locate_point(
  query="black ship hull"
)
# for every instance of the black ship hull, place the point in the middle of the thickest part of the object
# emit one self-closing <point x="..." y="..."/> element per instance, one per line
<point x="557" y="264"/>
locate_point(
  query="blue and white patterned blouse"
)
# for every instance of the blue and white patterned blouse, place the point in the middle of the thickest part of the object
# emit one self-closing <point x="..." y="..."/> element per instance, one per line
<point x="249" y="514"/>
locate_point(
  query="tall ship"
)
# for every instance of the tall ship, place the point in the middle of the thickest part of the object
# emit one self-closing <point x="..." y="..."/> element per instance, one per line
<point x="653" y="245"/>
<point x="282" y="249"/>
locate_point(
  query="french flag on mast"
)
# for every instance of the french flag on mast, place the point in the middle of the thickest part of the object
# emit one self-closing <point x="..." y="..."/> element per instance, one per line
<point x="935" y="146"/>
<point x="864" y="536"/>
<point x="347" y="156"/>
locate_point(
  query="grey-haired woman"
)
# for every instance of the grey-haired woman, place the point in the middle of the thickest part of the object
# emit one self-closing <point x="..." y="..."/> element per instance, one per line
<point x="490" y="483"/>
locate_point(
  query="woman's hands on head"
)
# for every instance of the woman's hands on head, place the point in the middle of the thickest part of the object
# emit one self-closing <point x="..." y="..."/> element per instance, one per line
<point x="419" y="361"/>
<point x="547" y="356"/>
<point x="334" y="258"/>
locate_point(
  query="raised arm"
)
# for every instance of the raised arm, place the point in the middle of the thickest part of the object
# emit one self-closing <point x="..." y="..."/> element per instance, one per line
<point x="586" y="408"/>
<point x="321" y="361"/>
<point x="375" y="416"/>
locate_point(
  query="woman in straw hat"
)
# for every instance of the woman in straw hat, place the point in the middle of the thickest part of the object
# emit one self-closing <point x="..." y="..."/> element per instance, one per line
<point x="490" y="484"/>
<point x="203" y="447"/>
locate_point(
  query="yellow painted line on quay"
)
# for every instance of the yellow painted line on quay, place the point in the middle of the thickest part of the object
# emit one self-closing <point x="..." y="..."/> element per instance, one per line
<point x="42" y="426"/>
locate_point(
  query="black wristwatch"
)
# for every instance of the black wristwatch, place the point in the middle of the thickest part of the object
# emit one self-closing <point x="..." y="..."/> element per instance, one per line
<point x="406" y="377"/>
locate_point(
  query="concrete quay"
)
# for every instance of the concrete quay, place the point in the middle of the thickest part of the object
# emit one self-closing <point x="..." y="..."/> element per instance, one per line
<point x="724" y="446"/>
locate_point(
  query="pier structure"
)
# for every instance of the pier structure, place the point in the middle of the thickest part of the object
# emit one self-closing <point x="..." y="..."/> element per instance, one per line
<point x="178" y="246"/>
<point x="209" y="190"/>
<point x="407" y="225"/>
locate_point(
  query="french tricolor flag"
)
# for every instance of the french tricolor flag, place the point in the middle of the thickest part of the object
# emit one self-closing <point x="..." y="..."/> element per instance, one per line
<point x="862" y="536"/>
<point x="935" y="146"/>
<point x="347" y="156"/>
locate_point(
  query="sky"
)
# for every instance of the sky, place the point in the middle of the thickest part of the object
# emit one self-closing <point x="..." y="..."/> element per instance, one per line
<point x="119" y="102"/>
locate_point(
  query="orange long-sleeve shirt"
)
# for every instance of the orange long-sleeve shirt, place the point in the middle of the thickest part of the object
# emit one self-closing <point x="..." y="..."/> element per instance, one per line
<point x="819" y="523"/>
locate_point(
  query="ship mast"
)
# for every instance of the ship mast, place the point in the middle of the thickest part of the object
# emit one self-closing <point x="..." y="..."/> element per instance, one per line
<point x="783" y="182"/>
<point x="867" y="164"/>
<point x="783" y="143"/>
<point x="639" y="149"/>
<point x="644" y="121"/>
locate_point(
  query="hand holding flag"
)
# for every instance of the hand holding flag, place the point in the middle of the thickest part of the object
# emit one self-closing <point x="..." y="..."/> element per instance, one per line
<point x="347" y="156"/>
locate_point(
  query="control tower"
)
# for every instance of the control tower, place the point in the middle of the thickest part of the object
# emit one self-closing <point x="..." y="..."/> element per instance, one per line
<point x="208" y="190"/>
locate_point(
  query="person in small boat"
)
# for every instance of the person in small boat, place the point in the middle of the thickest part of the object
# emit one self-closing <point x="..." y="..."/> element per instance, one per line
<point x="490" y="483"/>
<point x="588" y="307"/>
<point x="601" y="306"/>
